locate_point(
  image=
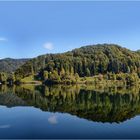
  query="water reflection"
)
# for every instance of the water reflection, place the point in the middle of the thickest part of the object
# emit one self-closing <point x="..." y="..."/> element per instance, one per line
<point x="98" y="104"/>
<point x="52" y="119"/>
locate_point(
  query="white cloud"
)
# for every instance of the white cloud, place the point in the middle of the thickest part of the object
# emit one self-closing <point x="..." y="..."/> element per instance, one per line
<point x="52" y="120"/>
<point x="48" y="46"/>
<point x="3" y="39"/>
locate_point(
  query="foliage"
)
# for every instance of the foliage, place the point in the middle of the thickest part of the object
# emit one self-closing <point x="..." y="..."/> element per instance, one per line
<point x="83" y="62"/>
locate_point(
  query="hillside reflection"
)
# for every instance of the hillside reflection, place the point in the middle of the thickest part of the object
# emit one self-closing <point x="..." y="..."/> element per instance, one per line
<point x="98" y="104"/>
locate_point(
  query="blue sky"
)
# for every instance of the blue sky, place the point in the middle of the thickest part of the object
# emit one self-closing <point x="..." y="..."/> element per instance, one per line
<point x="29" y="29"/>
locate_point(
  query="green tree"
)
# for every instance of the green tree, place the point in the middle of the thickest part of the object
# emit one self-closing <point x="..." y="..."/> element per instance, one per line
<point x="3" y="77"/>
<point x="87" y="72"/>
<point x="45" y="75"/>
<point x="76" y="77"/>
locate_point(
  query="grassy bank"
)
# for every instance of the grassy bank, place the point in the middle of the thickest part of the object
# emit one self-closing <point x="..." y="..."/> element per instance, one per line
<point x="118" y="80"/>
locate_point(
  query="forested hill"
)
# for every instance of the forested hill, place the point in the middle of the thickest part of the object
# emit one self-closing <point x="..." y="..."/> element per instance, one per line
<point x="85" y="61"/>
<point x="10" y="65"/>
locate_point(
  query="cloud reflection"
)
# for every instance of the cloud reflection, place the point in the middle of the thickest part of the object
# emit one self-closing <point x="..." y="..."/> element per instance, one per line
<point x="52" y="119"/>
<point x="5" y="126"/>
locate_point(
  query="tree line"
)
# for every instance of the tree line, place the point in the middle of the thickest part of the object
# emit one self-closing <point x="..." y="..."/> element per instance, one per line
<point x="86" y="61"/>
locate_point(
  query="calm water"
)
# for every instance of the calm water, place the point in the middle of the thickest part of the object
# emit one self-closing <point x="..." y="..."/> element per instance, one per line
<point x="69" y="112"/>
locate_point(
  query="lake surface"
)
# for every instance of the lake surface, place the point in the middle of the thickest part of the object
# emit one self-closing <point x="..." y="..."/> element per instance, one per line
<point x="29" y="111"/>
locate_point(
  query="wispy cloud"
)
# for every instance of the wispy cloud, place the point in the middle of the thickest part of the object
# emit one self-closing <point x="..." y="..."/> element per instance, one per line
<point x="48" y="46"/>
<point x="3" y="39"/>
<point x="5" y="126"/>
<point x="52" y="120"/>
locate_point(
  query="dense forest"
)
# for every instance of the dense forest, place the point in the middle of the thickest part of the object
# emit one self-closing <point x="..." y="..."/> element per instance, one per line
<point x="107" y="61"/>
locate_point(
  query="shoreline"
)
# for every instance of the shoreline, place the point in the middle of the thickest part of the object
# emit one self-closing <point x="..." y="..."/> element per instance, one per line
<point x="108" y="83"/>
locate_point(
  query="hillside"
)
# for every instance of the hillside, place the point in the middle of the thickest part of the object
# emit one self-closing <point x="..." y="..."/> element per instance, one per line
<point x="138" y="52"/>
<point x="85" y="61"/>
<point x="10" y="65"/>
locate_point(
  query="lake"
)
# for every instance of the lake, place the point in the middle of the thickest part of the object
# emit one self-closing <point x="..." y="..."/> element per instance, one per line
<point x="29" y="111"/>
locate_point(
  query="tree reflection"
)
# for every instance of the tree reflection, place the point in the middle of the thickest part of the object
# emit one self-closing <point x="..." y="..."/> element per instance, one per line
<point x="101" y="104"/>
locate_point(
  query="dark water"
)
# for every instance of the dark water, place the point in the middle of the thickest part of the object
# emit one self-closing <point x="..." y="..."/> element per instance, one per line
<point x="69" y="112"/>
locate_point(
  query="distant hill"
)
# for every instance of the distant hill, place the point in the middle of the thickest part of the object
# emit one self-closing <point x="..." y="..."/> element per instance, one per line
<point x="138" y="51"/>
<point x="85" y="61"/>
<point x="10" y="65"/>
